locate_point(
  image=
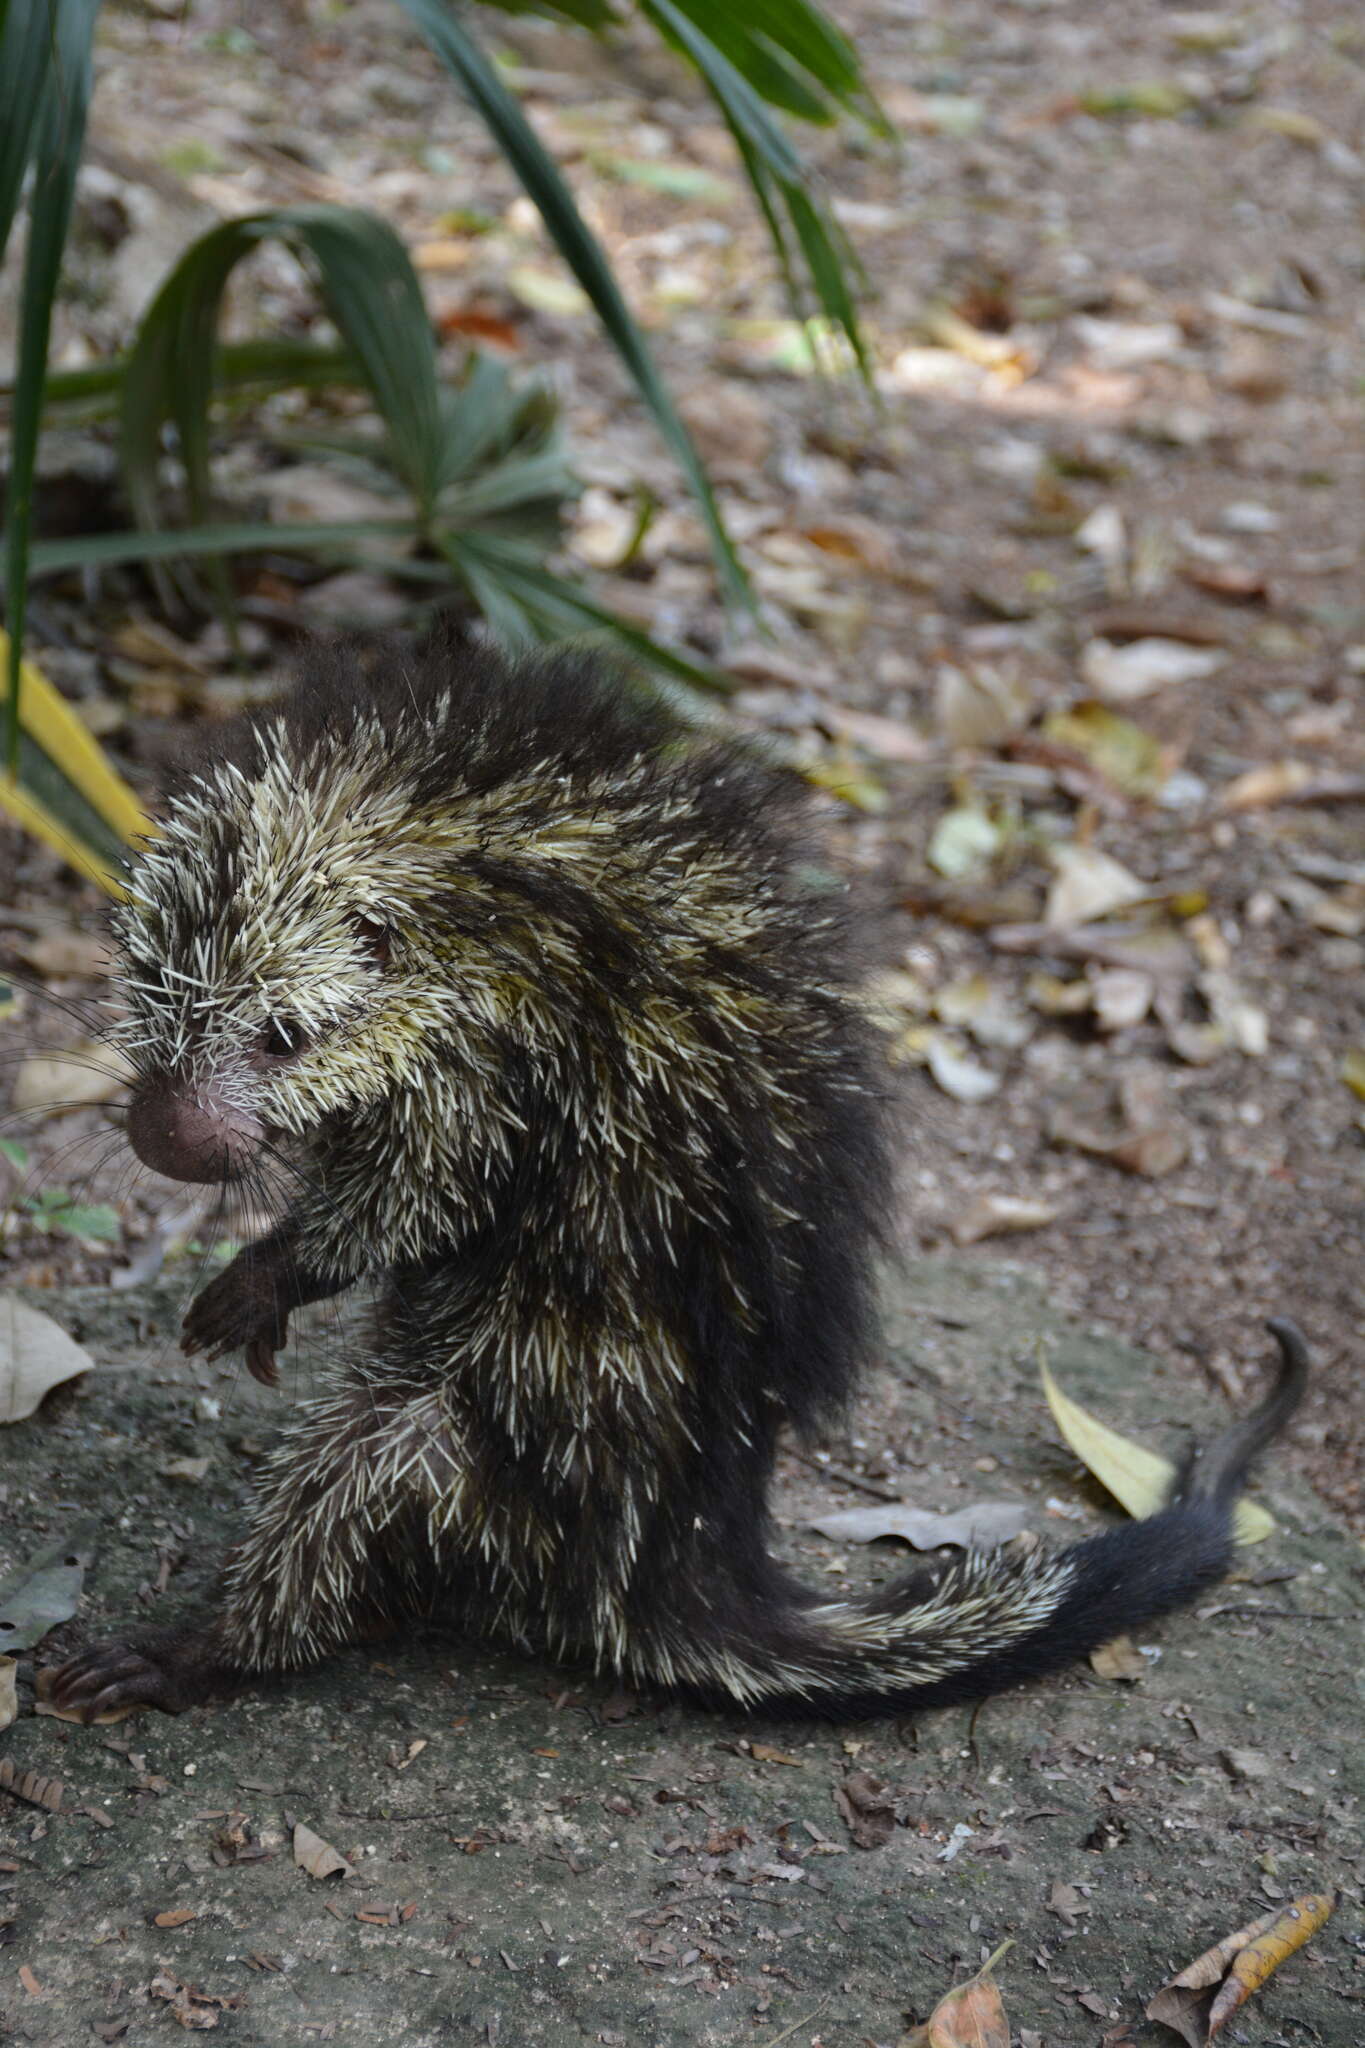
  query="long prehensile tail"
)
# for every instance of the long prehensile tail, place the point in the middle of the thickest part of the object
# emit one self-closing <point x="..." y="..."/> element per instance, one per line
<point x="995" y="1618"/>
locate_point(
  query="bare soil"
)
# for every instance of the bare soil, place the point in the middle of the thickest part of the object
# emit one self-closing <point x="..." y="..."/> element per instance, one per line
<point x="1162" y="315"/>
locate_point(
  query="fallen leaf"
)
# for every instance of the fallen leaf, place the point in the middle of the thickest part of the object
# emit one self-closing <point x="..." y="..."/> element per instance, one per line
<point x="47" y="1589"/>
<point x="977" y="1005"/>
<point x="964" y="842"/>
<point x="9" y="1698"/>
<point x="1353" y="1070"/>
<point x="84" y="1073"/>
<point x="1103" y="534"/>
<point x="1127" y="344"/>
<point x="185" y="1468"/>
<point x="1152" y="1153"/>
<point x="886" y="737"/>
<point x="1261" y="787"/>
<point x="979" y="707"/>
<point x="1139" y="1479"/>
<point x="1121" y="997"/>
<point x="764" y="1753"/>
<point x="867" y="1808"/>
<point x="957" y="1075"/>
<point x="1251" y="1766"/>
<point x="1235" y="581"/>
<point x="31" y="1786"/>
<point x="1066" y="1902"/>
<point x="1121" y="751"/>
<point x="1119" y="1659"/>
<point x="971" y="2016"/>
<point x="1255" y="1964"/>
<point x="993" y="1215"/>
<point x="178" y="1916"/>
<point x="35" y="1355"/>
<point x="849" y="780"/>
<point x="1088" y="885"/>
<point x="29" y="1981"/>
<point x="980" y="1527"/>
<point x="1188" y="2002"/>
<point x="547" y="291"/>
<point x="317" y="1857"/>
<point x="1120" y="675"/>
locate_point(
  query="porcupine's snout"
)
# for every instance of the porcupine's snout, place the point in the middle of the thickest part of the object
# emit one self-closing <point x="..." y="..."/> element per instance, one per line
<point x="185" y="1129"/>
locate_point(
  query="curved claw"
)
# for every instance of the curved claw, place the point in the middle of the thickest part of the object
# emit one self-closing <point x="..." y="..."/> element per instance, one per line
<point x="167" y="1668"/>
<point x="260" y="1362"/>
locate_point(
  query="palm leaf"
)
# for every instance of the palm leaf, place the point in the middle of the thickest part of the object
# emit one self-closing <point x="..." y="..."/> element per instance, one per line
<point x="469" y="66"/>
<point x="54" y="136"/>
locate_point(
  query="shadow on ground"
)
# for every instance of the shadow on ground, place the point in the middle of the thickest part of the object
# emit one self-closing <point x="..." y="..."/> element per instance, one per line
<point x="539" y="1858"/>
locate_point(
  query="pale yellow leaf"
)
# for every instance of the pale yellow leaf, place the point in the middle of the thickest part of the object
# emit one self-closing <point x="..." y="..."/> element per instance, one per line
<point x="1139" y="1479"/>
<point x="35" y="1355"/>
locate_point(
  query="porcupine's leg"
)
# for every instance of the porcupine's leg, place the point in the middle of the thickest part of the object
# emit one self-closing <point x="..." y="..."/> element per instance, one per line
<point x="333" y="1548"/>
<point x="247" y="1305"/>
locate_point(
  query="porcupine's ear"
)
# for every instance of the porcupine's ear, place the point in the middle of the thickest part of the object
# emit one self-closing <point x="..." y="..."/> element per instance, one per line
<point x="376" y="938"/>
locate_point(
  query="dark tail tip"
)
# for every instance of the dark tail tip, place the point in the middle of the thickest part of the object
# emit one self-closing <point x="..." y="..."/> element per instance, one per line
<point x="1218" y="1473"/>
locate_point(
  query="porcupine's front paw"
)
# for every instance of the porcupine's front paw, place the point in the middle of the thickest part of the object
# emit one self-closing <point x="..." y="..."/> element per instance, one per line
<point x="241" y="1311"/>
<point x="170" y="1668"/>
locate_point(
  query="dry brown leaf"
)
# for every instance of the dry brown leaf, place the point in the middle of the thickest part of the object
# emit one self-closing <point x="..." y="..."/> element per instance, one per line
<point x="993" y="1215"/>
<point x="1151" y="1152"/>
<point x="1237" y="582"/>
<point x="1066" y="1902"/>
<point x="1262" y="787"/>
<point x="29" y="1981"/>
<point x="85" y="1073"/>
<point x="980" y="707"/>
<point x="886" y="737"/>
<point x="1120" y="1660"/>
<point x="31" y="1786"/>
<point x="178" y="1916"/>
<point x="35" y="1355"/>
<point x="1189" y="2001"/>
<point x="971" y="2016"/>
<point x="185" y="1468"/>
<point x="764" y="1753"/>
<point x="868" y="1808"/>
<point x="317" y="1857"/>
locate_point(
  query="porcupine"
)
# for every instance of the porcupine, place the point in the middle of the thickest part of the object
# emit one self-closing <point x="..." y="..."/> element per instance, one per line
<point x="543" y="1005"/>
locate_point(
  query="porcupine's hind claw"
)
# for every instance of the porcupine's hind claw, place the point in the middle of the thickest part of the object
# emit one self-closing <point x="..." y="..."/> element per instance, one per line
<point x="169" y="1668"/>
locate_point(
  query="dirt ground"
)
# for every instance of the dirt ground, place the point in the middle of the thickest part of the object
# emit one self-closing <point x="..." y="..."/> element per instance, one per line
<point x="1115" y="312"/>
<point x="1163" y="317"/>
<point x="540" y="1858"/>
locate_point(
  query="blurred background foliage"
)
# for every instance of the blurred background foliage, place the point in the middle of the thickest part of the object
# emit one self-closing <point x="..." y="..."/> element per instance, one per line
<point x="474" y="468"/>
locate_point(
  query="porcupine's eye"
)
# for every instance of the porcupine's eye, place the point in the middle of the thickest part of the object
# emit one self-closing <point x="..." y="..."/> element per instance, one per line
<point x="283" y="1038"/>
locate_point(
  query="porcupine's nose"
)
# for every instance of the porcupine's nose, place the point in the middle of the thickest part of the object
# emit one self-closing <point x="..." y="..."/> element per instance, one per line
<point x="186" y="1130"/>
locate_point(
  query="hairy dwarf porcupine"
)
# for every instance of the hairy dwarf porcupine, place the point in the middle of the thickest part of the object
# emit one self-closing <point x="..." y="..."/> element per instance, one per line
<point x="541" y="1003"/>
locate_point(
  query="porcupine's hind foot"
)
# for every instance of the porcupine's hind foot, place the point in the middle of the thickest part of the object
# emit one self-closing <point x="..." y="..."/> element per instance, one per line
<point x="322" y="1563"/>
<point x="170" y="1668"/>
